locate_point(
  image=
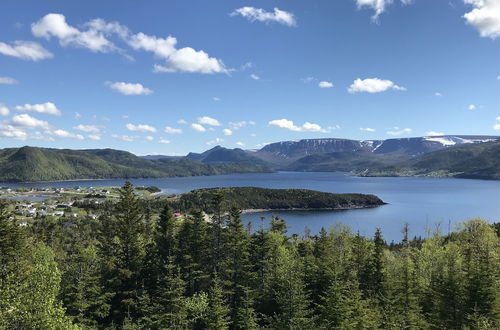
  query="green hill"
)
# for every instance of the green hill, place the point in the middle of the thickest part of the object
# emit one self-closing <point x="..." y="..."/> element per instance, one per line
<point x="252" y="198"/>
<point x="39" y="164"/>
<point x="474" y="161"/>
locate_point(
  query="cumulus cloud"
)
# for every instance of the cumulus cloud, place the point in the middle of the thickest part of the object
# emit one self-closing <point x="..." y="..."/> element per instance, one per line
<point x="434" y="133"/>
<point x="198" y="127"/>
<point x="258" y="14"/>
<point x="472" y="107"/>
<point x="367" y="129"/>
<point x="125" y="138"/>
<point x="216" y="141"/>
<point x="140" y="128"/>
<point x="398" y="131"/>
<point x="171" y="130"/>
<point x="4" y="111"/>
<point x="94" y="36"/>
<point x="26" y="50"/>
<point x="237" y="125"/>
<point x="47" y="108"/>
<point x="254" y="76"/>
<point x="181" y="122"/>
<point x="484" y="17"/>
<point x="240" y="144"/>
<point x="379" y="6"/>
<point x="8" y="81"/>
<point x="325" y="84"/>
<point x="95" y="137"/>
<point x="373" y="85"/>
<point x="27" y="121"/>
<point x="288" y="124"/>
<point x="88" y="128"/>
<point x="54" y="25"/>
<point x="497" y="126"/>
<point x="163" y="141"/>
<point x="227" y="132"/>
<point x="129" y="88"/>
<point x="208" y="121"/>
<point x="65" y="134"/>
<point x="149" y="138"/>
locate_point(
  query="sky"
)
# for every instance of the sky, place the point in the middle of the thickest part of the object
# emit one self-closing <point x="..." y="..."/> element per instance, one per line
<point x="170" y="77"/>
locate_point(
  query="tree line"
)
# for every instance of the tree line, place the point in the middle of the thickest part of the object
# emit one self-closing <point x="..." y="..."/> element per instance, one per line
<point x="128" y="270"/>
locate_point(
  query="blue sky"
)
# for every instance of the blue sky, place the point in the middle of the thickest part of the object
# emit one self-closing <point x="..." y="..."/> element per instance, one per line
<point x="169" y="77"/>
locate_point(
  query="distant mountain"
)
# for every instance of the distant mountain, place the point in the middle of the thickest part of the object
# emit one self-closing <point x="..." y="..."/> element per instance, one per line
<point x="219" y="154"/>
<point x="283" y="154"/>
<point x="156" y="157"/>
<point x="39" y="164"/>
<point x="478" y="161"/>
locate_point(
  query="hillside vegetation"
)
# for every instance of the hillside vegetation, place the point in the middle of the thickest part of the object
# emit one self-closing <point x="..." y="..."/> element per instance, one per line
<point x="476" y="161"/>
<point x="252" y="198"/>
<point x="39" y="164"/>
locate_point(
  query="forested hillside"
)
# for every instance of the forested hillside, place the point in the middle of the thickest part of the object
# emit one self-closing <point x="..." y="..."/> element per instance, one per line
<point x="39" y="164"/>
<point x="127" y="269"/>
<point x="475" y="161"/>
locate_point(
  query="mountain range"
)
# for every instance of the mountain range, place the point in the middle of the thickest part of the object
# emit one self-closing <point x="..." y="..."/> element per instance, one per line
<point x="450" y="155"/>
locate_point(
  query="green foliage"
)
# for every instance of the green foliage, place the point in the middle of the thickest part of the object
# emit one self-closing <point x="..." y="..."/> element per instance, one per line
<point x="39" y="164"/>
<point x="126" y="270"/>
<point x="274" y="199"/>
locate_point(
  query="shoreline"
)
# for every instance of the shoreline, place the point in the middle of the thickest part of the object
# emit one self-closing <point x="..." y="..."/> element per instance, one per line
<point x="247" y="211"/>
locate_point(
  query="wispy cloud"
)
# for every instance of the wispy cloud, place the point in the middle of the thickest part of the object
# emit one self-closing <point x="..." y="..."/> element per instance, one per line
<point x="258" y="14"/>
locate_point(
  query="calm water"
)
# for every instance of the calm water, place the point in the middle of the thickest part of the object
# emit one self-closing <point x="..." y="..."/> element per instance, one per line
<point x="422" y="202"/>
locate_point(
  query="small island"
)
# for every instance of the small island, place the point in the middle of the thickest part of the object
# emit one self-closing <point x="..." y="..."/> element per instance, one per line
<point x="264" y="199"/>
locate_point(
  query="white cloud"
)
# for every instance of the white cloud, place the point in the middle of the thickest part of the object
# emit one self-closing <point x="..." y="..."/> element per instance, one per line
<point x="379" y="6"/>
<point x="205" y="120"/>
<point x="257" y="14"/>
<point x="216" y="141"/>
<point x="95" y="137"/>
<point x="438" y="94"/>
<point x="140" y="128"/>
<point x="163" y="141"/>
<point x="27" y="121"/>
<point x="47" y="108"/>
<point x="325" y="84"/>
<point x="497" y="126"/>
<point x="254" y="76"/>
<point x="54" y="25"/>
<point x="88" y="128"/>
<point x="77" y="115"/>
<point x="125" y="138"/>
<point x="129" y="88"/>
<point x="65" y="134"/>
<point x="434" y="133"/>
<point x="498" y="77"/>
<point x="240" y="144"/>
<point x="4" y="111"/>
<point x="189" y="60"/>
<point x="149" y="138"/>
<point x="237" y="125"/>
<point x="367" y="129"/>
<point x="398" y="131"/>
<point x="288" y="124"/>
<point x="8" y="81"/>
<point x="373" y="85"/>
<point x="216" y="99"/>
<point x="181" y="122"/>
<point x="227" y="132"/>
<point x="198" y="127"/>
<point x="307" y="80"/>
<point x="484" y="17"/>
<point x="94" y="37"/>
<point x="171" y="130"/>
<point x="26" y="50"/>
<point x="472" y="107"/>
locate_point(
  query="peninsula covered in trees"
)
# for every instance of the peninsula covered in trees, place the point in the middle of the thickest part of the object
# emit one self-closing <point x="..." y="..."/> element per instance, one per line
<point x="125" y="268"/>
